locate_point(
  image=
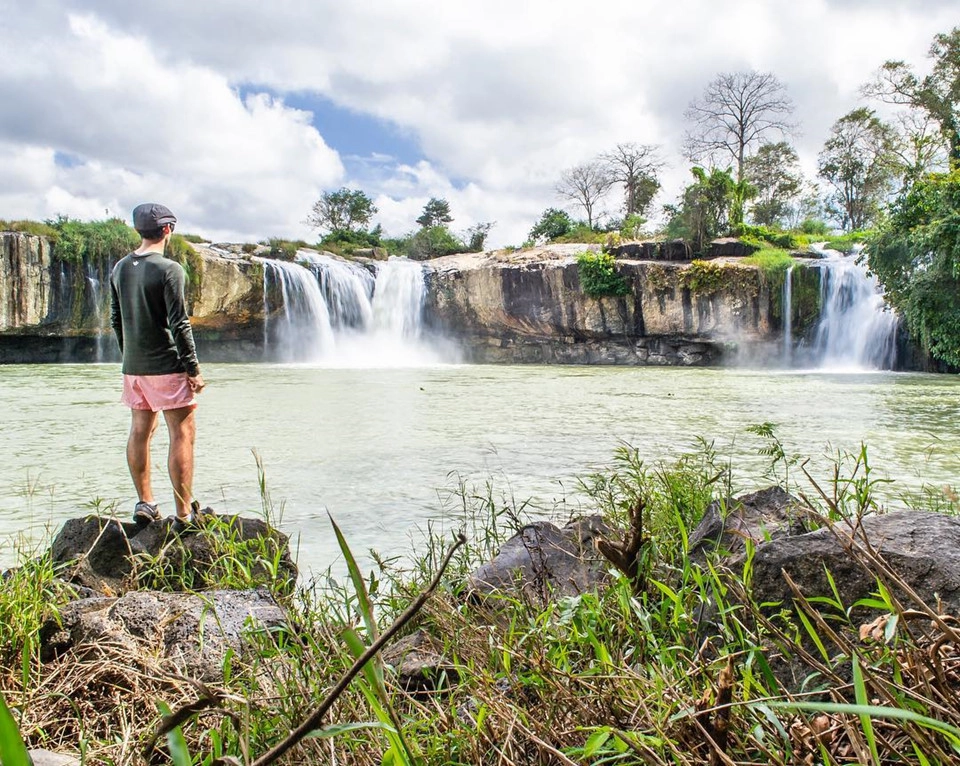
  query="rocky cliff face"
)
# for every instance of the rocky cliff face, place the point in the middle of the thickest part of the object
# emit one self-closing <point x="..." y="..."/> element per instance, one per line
<point x="529" y="307"/>
<point x="25" y="281"/>
<point x="501" y="307"/>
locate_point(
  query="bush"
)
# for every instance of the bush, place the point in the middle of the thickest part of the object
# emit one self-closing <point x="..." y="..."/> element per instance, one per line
<point x="93" y="241"/>
<point x="284" y="249"/>
<point x="770" y="260"/>
<point x="34" y="228"/>
<point x="763" y="235"/>
<point x="598" y="275"/>
<point x="195" y="239"/>
<point x="815" y="227"/>
<point x="181" y="251"/>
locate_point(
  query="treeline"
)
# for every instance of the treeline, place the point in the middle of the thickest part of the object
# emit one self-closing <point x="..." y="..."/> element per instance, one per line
<point x="345" y="216"/>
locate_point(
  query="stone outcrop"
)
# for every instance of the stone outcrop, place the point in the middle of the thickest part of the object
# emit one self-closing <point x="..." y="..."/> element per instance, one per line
<point x="25" y="281"/>
<point x="193" y="632"/>
<point x="529" y="306"/>
<point x="543" y="562"/>
<point x="108" y="557"/>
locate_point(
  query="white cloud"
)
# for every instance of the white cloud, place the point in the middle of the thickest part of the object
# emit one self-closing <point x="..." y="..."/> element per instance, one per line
<point x="501" y="95"/>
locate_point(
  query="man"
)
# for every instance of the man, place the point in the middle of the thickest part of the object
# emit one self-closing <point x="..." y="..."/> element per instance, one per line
<point x="160" y="368"/>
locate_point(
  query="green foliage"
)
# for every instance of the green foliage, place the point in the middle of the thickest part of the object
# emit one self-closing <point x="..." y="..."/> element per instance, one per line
<point x="432" y="243"/>
<point x="814" y="227"/>
<point x="345" y="242"/>
<point x="705" y="208"/>
<point x="181" y="251"/>
<point x="632" y="226"/>
<point x="475" y="237"/>
<point x="762" y="236"/>
<point x="194" y="239"/>
<point x="553" y="223"/>
<point x="846" y="243"/>
<point x="704" y="277"/>
<point x="34" y="228"/>
<point x="598" y="275"/>
<point x="345" y="210"/>
<point x="582" y="233"/>
<point x="284" y="249"/>
<point x="29" y="595"/>
<point x="96" y="242"/>
<point x="774" y="172"/>
<point x="436" y="213"/>
<point x="859" y="163"/>
<point x="916" y="257"/>
<point x="13" y="751"/>
<point x="771" y="261"/>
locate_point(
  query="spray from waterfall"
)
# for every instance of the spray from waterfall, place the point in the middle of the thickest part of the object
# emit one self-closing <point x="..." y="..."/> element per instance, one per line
<point x="787" y="304"/>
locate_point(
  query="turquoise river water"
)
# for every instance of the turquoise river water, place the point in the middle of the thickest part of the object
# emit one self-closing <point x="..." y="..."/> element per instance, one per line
<point x="382" y="449"/>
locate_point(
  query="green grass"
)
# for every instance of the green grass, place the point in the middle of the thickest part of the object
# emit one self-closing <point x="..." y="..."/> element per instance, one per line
<point x="632" y="674"/>
<point x="770" y="260"/>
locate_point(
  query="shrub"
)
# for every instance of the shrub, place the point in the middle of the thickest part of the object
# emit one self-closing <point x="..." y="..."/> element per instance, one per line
<point x="181" y="251"/>
<point x="93" y="241"/>
<point x="770" y="260"/>
<point x="598" y="275"/>
<point x="35" y="228"/>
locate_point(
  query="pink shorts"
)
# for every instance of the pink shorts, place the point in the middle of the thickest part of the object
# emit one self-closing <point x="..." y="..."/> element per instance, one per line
<point x="157" y="392"/>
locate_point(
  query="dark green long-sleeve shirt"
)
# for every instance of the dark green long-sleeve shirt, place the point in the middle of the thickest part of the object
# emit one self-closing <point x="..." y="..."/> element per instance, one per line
<point x="149" y="316"/>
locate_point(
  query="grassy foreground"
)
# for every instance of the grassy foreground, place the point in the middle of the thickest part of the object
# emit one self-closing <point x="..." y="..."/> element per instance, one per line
<point x="624" y="676"/>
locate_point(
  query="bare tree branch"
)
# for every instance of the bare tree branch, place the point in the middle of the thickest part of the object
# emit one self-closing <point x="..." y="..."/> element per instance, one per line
<point x="735" y="112"/>
<point x="636" y="166"/>
<point x="585" y="185"/>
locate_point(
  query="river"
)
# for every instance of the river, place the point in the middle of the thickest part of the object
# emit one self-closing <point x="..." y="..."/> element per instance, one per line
<point x="382" y="449"/>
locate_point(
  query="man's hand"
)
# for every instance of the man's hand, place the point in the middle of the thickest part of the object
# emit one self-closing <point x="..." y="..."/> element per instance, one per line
<point x="196" y="383"/>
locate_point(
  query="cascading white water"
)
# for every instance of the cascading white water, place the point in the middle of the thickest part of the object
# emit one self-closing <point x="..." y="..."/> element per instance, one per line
<point x="335" y="313"/>
<point x="857" y="328"/>
<point x="788" y="316"/>
<point x="304" y="330"/>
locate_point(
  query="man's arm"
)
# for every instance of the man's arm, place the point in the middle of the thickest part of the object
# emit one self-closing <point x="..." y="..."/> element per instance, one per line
<point x="116" y="319"/>
<point x="179" y="322"/>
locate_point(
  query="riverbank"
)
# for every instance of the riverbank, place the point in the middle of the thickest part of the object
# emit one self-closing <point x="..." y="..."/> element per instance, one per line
<point x="675" y="663"/>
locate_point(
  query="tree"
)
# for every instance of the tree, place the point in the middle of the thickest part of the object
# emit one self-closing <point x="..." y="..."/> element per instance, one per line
<point x="636" y="167"/>
<point x="859" y="163"/>
<point x="585" y="185"/>
<point x="704" y="211"/>
<point x="937" y="94"/>
<point x="774" y="174"/>
<point x="345" y="211"/>
<point x="736" y="112"/>
<point x="476" y="236"/>
<point x="916" y="257"/>
<point x="553" y="223"/>
<point x="435" y="213"/>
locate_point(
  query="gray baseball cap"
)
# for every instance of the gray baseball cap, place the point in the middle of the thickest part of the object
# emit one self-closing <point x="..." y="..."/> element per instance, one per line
<point x="151" y="216"/>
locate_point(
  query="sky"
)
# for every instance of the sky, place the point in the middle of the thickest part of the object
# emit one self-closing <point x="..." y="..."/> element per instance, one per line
<point x="239" y="114"/>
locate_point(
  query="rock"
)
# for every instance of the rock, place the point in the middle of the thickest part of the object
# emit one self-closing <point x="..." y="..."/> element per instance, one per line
<point x="190" y="630"/>
<point x="542" y="562"/>
<point x="110" y="556"/>
<point x="921" y="548"/>
<point x="759" y="516"/>
<point x="730" y="247"/>
<point x="419" y="663"/>
<point x="48" y="758"/>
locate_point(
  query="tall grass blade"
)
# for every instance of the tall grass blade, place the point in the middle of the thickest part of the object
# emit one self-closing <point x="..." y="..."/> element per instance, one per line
<point x="12" y="750"/>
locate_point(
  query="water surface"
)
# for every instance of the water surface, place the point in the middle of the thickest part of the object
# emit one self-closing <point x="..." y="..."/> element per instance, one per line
<point x="379" y="448"/>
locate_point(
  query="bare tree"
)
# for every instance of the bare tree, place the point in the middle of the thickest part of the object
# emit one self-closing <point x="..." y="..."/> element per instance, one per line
<point x="585" y="185"/>
<point x="735" y="112"/>
<point x="636" y="166"/>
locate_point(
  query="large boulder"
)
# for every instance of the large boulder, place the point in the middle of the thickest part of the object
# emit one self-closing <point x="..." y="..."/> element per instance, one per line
<point x="543" y="562"/>
<point x="191" y="631"/>
<point x="110" y="557"/>
<point x="921" y="548"/>
<point x="768" y="514"/>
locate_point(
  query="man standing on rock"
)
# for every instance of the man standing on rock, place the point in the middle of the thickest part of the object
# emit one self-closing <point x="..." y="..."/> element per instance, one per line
<point x="160" y="368"/>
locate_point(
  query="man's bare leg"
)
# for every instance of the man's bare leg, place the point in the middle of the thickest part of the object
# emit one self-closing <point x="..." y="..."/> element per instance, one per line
<point x="142" y="425"/>
<point x="182" y="426"/>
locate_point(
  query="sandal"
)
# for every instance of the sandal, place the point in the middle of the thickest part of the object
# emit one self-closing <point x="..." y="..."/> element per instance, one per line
<point x="197" y="520"/>
<point x="146" y="513"/>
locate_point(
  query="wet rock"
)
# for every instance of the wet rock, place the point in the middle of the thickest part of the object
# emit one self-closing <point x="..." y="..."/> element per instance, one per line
<point x="109" y="556"/>
<point x="543" y="562"/>
<point x="194" y="632"/>
<point x="419" y="663"/>
<point x="730" y="247"/>
<point x="759" y="516"/>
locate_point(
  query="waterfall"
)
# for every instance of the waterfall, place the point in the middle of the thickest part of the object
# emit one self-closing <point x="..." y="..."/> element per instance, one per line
<point x="856" y="328"/>
<point x="97" y="310"/>
<point x="336" y="313"/>
<point x="788" y="316"/>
